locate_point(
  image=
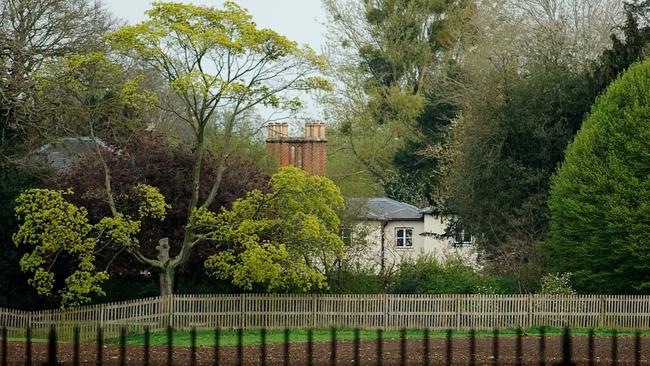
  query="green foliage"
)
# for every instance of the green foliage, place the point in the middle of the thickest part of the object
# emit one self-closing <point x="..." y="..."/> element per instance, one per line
<point x="557" y="284"/>
<point x="355" y="281"/>
<point x="53" y="227"/>
<point x="599" y="200"/>
<point x="153" y="203"/>
<point x="499" y="177"/>
<point x="221" y="56"/>
<point x="517" y="117"/>
<point x="90" y="95"/>
<point x="626" y="50"/>
<point x="120" y="230"/>
<point x="15" y="292"/>
<point x="283" y="240"/>
<point x="391" y="55"/>
<point x="35" y="33"/>
<point x="428" y="275"/>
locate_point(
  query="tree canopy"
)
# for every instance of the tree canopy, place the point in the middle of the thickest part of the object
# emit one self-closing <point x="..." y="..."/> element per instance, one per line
<point x="522" y="91"/>
<point x="52" y="226"/>
<point x="287" y="239"/>
<point x="391" y="55"/>
<point x="600" y="195"/>
<point x="219" y="65"/>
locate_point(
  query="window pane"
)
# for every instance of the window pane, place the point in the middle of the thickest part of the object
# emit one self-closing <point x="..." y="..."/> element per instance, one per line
<point x="400" y="233"/>
<point x="409" y="242"/>
<point x="346" y="235"/>
<point x="467" y="237"/>
<point x="409" y="233"/>
<point x="400" y="242"/>
<point x="458" y="237"/>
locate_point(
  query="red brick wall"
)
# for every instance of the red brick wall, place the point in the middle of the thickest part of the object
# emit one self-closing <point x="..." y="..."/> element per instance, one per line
<point x="314" y="147"/>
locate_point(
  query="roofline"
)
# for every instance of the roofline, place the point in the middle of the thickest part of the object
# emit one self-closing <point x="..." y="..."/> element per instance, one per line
<point x="385" y="219"/>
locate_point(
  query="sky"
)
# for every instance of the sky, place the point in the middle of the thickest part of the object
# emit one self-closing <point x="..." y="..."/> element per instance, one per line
<point x="299" y="20"/>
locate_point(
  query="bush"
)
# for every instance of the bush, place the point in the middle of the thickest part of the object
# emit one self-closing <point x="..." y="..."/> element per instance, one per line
<point x="428" y="275"/>
<point x="600" y="196"/>
<point x="355" y="281"/>
<point x="557" y="284"/>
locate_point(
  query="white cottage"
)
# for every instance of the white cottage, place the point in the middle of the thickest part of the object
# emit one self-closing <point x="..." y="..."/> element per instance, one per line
<point x="393" y="230"/>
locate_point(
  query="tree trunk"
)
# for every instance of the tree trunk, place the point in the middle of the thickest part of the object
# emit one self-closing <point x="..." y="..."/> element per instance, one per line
<point x="166" y="277"/>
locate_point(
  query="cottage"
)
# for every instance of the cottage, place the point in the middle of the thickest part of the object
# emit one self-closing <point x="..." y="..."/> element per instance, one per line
<point x="393" y="230"/>
<point x="388" y="230"/>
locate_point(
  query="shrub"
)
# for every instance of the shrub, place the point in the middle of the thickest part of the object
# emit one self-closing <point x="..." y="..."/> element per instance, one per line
<point x="428" y="275"/>
<point x="557" y="284"/>
<point x="600" y="196"/>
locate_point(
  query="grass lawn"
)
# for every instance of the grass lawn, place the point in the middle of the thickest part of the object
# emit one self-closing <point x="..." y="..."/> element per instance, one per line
<point x="252" y="337"/>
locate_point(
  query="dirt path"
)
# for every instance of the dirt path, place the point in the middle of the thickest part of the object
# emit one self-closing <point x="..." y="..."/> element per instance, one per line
<point x="345" y="354"/>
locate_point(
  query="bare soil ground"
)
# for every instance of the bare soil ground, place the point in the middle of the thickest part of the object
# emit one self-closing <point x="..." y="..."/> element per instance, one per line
<point x="345" y="353"/>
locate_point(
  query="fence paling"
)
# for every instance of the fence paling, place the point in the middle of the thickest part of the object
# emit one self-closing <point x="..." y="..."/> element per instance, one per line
<point x="275" y="311"/>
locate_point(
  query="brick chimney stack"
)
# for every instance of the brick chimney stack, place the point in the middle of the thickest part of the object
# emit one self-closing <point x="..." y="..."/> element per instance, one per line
<point x="308" y="153"/>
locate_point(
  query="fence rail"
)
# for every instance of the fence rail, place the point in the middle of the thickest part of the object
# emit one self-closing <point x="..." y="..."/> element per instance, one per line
<point x="273" y="311"/>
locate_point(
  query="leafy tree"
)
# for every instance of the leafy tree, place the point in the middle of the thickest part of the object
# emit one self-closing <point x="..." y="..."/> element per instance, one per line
<point x="220" y="66"/>
<point x="14" y="291"/>
<point x="287" y="239"/>
<point x="91" y="95"/>
<point x="418" y="163"/>
<point x="599" y="196"/>
<point x="259" y="67"/>
<point x="523" y="93"/>
<point x="32" y="33"/>
<point x="626" y="50"/>
<point x="160" y="161"/>
<point x="55" y="227"/>
<point x="390" y="55"/>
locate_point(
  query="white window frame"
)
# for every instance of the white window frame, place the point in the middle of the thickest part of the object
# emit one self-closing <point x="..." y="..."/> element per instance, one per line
<point x="406" y="238"/>
<point x="346" y="235"/>
<point x="462" y="241"/>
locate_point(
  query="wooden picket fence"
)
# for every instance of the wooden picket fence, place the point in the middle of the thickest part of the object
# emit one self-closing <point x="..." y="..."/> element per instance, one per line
<point x="273" y="311"/>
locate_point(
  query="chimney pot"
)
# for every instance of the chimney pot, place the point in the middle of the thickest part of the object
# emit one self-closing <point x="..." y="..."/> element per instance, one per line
<point x="321" y="134"/>
<point x="284" y="129"/>
<point x="269" y="131"/>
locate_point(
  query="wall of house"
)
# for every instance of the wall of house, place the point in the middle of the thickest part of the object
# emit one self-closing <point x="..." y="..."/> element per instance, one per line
<point x="425" y="241"/>
<point x="435" y="227"/>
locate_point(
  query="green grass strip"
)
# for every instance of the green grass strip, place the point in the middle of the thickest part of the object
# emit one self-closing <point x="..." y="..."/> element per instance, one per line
<point x="252" y="337"/>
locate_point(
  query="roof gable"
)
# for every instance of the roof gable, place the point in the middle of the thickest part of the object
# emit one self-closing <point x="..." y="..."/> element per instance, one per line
<point x="383" y="209"/>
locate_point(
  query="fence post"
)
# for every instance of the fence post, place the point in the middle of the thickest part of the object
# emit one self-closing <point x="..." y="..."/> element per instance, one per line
<point x="101" y="315"/>
<point x="458" y="303"/>
<point x="601" y="312"/>
<point x="242" y="311"/>
<point x="313" y="310"/>
<point x="386" y="310"/>
<point x="170" y="310"/>
<point x="529" y="319"/>
<point x="160" y="316"/>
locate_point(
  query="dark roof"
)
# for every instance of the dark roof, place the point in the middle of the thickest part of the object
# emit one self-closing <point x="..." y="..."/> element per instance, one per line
<point x="383" y="209"/>
<point x="64" y="152"/>
<point x="432" y="210"/>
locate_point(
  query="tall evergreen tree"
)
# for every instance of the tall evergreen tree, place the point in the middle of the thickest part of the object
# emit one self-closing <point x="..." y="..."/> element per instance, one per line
<point x="600" y="197"/>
